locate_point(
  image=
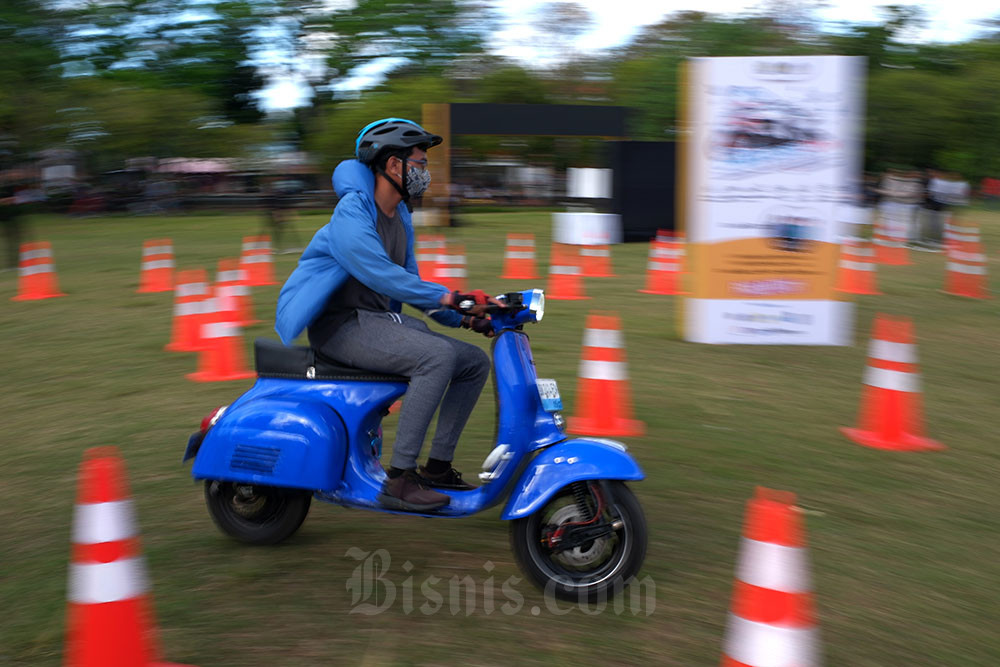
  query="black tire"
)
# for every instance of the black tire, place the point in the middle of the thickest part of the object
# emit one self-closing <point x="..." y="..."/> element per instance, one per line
<point x="594" y="572"/>
<point x="256" y="514"/>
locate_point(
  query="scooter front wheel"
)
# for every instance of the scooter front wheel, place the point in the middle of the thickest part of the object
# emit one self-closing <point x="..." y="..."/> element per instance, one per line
<point x="256" y="514"/>
<point x="586" y="544"/>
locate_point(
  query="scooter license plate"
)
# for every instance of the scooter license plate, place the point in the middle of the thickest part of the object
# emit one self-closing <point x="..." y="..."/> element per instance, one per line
<point x="548" y="391"/>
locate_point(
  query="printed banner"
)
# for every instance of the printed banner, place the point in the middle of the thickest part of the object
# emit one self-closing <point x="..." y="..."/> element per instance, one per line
<point x="772" y="154"/>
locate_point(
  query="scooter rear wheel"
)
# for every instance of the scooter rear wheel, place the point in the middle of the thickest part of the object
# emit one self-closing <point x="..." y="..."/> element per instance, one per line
<point x="256" y="514"/>
<point x="595" y="570"/>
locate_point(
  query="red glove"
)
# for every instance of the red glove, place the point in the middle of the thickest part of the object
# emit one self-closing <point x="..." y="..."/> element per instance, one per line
<point x="479" y="325"/>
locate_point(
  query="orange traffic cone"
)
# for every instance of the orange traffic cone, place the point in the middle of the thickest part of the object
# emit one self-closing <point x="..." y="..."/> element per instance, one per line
<point x="519" y="257"/>
<point x="663" y="269"/>
<point x="451" y="268"/>
<point x="221" y="354"/>
<point x="257" y="260"/>
<point x="595" y="261"/>
<point x="564" y="275"/>
<point x="604" y="406"/>
<point x="231" y="286"/>
<point x="427" y="251"/>
<point x="36" y="274"/>
<point x="772" y="622"/>
<point x="157" y="270"/>
<point x="109" y="616"/>
<point x="663" y="236"/>
<point x="955" y="234"/>
<point x="857" y="270"/>
<point x="189" y="294"/>
<point x="890" y="406"/>
<point x="966" y="270"/>
<point x="890" y="244"/>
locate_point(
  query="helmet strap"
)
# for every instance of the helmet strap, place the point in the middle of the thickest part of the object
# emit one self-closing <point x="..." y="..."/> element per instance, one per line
<point x="401" y="189"/>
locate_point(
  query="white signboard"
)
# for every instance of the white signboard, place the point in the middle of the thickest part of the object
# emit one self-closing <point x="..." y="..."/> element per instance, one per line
<point x="771" y="157"/>
<point x="586" y="228"/>
<point x="586" y="183"/>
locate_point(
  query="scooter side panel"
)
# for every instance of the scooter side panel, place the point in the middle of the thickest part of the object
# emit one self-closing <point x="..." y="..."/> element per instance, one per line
<point x="567" y="462"/>
<point x="275" y="442"/>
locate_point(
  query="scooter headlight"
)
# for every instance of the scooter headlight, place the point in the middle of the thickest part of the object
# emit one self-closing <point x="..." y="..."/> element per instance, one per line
<point x="537" y="304"/>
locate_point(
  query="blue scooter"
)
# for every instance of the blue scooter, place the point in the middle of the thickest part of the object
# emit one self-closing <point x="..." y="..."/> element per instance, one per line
<point x="310" y="428"/>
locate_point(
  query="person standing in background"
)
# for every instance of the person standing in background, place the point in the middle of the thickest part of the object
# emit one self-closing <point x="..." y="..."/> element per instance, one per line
<point x="10" y="219"/>
<point x="901" y="192"/>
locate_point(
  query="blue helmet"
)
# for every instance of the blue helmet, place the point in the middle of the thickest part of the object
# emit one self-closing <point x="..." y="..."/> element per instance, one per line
<point x="391" y="133"/>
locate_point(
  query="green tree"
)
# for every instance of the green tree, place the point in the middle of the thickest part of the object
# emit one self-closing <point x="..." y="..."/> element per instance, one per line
<point x="173" y="44"/>
<point x="29" y="77"/>
<point x="334" y="129"/>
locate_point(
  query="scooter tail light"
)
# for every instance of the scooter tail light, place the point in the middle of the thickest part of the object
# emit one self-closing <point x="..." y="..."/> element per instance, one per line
<point x="212" y="417"/>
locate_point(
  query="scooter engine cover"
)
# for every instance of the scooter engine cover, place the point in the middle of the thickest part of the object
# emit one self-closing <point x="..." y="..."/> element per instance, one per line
<point x="275" y="442"/>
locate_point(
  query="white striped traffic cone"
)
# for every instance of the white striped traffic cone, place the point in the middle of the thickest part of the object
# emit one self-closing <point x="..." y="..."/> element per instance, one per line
<point x="451" y="268"/>
<point x="109" y="616"/>
<point x="190" y="295"/>
<point x="157" y="269"/>
<point x="36" y="273"/>
<point x="519" y="257"/>
<point x="966" y="270"/>
<point x="256" y="259"/>
<point x="428" y="247"/>
<point x="857" y="267"/>
<point x="890" y="404"/>
<point x="956" y="234"/>
<point x="771" y="622"/>
<point x="595" y="261"/>
<point x="604" y="404"/>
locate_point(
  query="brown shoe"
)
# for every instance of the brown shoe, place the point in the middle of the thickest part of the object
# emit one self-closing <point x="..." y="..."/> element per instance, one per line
<point x="450" y="479"/>
<point x="409" y="494"/>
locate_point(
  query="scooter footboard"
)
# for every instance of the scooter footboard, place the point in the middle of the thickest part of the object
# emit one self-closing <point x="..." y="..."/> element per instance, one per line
<point x="275" y="442"/>
<point x="567" y="462"/>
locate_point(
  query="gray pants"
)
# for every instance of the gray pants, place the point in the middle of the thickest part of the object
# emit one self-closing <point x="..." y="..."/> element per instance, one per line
<point x="438" y="366"/>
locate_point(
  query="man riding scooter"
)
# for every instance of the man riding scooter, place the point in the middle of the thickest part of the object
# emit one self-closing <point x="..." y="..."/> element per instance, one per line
<point x="349" y="287"/>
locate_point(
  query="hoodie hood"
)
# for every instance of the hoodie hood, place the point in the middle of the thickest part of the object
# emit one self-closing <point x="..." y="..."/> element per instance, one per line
<point x="352" y="176"/>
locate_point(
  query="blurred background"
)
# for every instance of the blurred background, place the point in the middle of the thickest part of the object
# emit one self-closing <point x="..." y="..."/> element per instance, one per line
<point x="203" y="121"/>
<point x="146" y="106"/>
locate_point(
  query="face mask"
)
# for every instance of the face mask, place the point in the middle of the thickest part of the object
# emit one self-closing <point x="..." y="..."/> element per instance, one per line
<point x="417" y="181"/>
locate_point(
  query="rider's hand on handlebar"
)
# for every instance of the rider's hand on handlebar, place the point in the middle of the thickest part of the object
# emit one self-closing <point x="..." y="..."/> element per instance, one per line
<point x="479" y="325"/>
<point x="476" y="302"/>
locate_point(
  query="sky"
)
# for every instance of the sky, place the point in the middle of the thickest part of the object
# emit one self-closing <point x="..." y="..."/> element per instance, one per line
<point x="616" y="21"/>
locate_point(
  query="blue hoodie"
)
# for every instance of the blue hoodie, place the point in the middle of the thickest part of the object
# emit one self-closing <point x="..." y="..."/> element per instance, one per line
<point x="349" y="245"/>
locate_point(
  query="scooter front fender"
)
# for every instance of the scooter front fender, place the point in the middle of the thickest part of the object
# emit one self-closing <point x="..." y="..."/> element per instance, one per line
<point x="275" y="442"/>
<point x="567" y="462"/>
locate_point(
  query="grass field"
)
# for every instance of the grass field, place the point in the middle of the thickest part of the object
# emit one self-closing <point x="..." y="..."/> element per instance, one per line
<point x="904" y="547"/>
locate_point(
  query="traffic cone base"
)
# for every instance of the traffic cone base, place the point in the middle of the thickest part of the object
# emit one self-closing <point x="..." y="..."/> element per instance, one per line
<point x="22" y="297"/>
<point x="906" y="442"/>
<point x="965" y="296"/>
<point x="207" y="376"/>
<point x="592" y="426"/>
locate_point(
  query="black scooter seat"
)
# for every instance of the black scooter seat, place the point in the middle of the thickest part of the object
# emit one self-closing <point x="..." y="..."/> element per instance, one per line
<point x="273" y="359"/>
